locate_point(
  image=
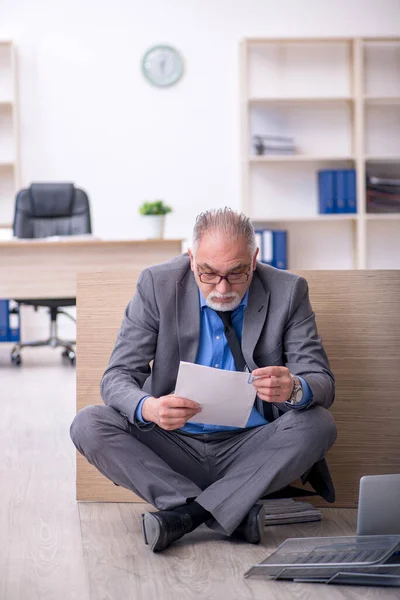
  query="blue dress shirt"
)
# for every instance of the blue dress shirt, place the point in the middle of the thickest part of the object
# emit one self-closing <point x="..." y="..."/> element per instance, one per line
<point x="214" y="352"/>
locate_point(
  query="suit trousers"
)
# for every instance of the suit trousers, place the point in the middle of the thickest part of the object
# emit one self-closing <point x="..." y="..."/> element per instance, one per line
<point x="227" y="472"/>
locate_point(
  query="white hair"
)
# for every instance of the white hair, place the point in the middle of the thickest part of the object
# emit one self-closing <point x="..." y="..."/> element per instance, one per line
<point x="227" y="221"/>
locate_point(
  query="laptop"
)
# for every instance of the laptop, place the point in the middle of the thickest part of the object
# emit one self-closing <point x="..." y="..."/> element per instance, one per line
<point x="372" y="557"/>
<point x="379" y="505"/>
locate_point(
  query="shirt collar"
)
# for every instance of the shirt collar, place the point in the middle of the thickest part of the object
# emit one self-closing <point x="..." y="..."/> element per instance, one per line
<point x="243" y="302"/>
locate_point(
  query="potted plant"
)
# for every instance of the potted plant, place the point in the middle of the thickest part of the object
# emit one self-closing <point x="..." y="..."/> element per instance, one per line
<point x="154" y="214"/>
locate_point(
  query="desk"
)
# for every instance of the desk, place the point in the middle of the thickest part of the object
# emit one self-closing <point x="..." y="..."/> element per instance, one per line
<point x="42" y="268"/>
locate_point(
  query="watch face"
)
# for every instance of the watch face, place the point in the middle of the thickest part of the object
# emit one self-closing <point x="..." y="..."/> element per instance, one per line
<point x="299" y="395"/>
<point x="162" y="66"/>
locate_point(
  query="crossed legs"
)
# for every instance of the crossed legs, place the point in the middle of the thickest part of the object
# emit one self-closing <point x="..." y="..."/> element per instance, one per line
<point x="226" y="472"/>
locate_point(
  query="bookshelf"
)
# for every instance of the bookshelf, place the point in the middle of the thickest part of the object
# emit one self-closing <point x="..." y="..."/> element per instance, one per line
<point x="339" y="99"/>
<point x="9" y="154"/>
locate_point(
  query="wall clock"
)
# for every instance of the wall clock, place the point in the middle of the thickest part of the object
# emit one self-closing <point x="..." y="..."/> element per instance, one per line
<point x="162" y="65"/>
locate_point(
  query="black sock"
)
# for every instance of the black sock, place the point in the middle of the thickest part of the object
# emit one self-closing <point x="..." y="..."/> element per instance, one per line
<point x="198" y="514"/>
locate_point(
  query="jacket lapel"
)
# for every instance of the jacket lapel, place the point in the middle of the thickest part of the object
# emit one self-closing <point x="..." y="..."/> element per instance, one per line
<point x="254" y="318"/>
<point x="188" y="317"/>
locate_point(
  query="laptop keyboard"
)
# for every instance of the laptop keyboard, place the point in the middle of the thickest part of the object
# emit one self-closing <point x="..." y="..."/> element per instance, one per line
<point x="349" y="555"/>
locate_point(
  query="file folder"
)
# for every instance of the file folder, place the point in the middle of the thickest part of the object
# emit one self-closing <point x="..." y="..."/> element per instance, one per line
<point x="326" y="191"/>
<point x="3" y="320"/>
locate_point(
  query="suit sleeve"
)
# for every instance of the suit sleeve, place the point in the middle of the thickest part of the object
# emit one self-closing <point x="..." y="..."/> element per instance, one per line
<point x="304" y="353"/>
<point x="122" y="384"/>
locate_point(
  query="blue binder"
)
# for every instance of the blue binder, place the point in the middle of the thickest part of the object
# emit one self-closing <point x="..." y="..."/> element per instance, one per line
<point x="280" y="249"/>
<point x="3" y="320"/>
<point x="326" y="191"/>
<point x="273" y="247"/>
<point x="351" y="199"/>
<point x="341" y="195"/>
<point x="14" y="328"/>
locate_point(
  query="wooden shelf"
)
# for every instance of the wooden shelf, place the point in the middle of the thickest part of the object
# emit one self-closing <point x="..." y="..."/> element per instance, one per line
<point x="347" y="120"/>
<point x="388" y="159"/>
<point x="382" y="216"/>
<point x="390" y="100"/>
<point x="306" y="219"/>
<point x="386" y="40"/>
<point x="280" y="41"/>
<point x="299" y="100"/>
<point x="297" y="158"/>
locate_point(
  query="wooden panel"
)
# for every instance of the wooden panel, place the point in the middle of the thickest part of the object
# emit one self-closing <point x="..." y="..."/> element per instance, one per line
<point x="47" y="269"/>
<point x="101" y="300"/>
<point x="358" y="318"/>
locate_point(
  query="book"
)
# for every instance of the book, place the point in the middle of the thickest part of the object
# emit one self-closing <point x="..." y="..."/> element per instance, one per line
<point x="13" y="322"/>
<point x="341" y="192"/>
<point x="3" y="320"/>
<point x="9" y="321"/>
<point x="273" y="144"/>
<point x="326" y="191"/>
<point x="288" y="510"/>
<point x="383" y="181"/>
<point x="267" y="252"/>
<point x="273" y="247"/>
<point x="351" y="191"/>
<point x="279" y="249"/>
<point x="337" y="191"/>
<point x="382" y="202"/>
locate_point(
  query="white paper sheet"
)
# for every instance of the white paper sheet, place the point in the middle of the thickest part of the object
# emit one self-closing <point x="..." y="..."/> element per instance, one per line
<point x="226" y="397"/>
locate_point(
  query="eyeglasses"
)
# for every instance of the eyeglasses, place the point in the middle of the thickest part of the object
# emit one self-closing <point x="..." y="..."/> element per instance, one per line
<point x="215" y="279"/>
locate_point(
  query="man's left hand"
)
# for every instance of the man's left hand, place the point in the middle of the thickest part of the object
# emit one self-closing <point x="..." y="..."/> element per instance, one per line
<point x="275" y="384"/>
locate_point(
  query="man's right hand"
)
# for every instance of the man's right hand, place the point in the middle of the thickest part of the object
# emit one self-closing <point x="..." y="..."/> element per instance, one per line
<point x="169" y="412"/>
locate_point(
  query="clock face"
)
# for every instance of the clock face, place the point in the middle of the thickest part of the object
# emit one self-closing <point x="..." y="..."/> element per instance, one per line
<point x="162" y="66"/>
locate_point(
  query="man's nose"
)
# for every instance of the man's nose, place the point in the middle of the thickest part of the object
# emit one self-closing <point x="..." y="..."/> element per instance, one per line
<point x="223" y="286"/>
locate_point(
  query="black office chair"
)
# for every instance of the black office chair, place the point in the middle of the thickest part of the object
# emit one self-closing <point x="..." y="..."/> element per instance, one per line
<point x="44" y="210"/>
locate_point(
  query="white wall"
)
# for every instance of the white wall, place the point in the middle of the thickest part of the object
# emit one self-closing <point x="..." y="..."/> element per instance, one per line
<point x="87" y="115"/>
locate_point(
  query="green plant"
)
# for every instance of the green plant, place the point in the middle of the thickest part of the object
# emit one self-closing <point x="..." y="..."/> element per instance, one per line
<point x="154" y="208"/>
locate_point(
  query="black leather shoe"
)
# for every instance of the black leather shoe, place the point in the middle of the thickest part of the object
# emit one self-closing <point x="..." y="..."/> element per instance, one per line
<point x="162" y="528"/>
<point x="251" y="529"/>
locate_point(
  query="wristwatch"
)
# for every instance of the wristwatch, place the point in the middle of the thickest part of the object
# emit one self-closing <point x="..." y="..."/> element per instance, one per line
<point x="297" y="394"/>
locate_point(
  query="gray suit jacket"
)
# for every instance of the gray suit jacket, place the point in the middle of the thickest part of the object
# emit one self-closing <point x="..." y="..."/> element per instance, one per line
<point x="162" y="324"/>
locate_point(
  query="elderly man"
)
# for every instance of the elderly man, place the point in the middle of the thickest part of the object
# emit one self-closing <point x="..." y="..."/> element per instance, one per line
<point x="218" y="307"/>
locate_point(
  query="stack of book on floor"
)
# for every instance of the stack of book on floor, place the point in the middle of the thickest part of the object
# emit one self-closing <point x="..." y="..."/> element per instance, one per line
<point x="383" y="195"/>
<point x="286" y="510"/>
<point x="273" y="144"/>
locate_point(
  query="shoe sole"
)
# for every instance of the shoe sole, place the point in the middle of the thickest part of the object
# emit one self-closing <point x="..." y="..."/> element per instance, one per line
<point x="151" y="530"/>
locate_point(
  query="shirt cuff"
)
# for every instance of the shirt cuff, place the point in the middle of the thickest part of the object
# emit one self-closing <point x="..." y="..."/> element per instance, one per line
<point x="307" y="395"/>
<point x="138" y="411"/>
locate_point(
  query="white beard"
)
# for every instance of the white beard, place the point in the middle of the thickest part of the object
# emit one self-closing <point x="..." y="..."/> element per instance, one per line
<point x="212" y="301"/>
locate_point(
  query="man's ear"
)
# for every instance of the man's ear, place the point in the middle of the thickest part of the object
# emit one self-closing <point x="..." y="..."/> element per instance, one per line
<point x="191" y="259"/>
<point x="255" y="259"/>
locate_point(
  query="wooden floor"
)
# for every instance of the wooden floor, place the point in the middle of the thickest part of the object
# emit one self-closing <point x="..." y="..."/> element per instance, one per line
<point x="51" y="548"/>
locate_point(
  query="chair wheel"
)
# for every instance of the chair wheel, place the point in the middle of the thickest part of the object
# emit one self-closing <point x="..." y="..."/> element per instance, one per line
<point x="70" y="355"/>
<point x="16" y="359"/>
